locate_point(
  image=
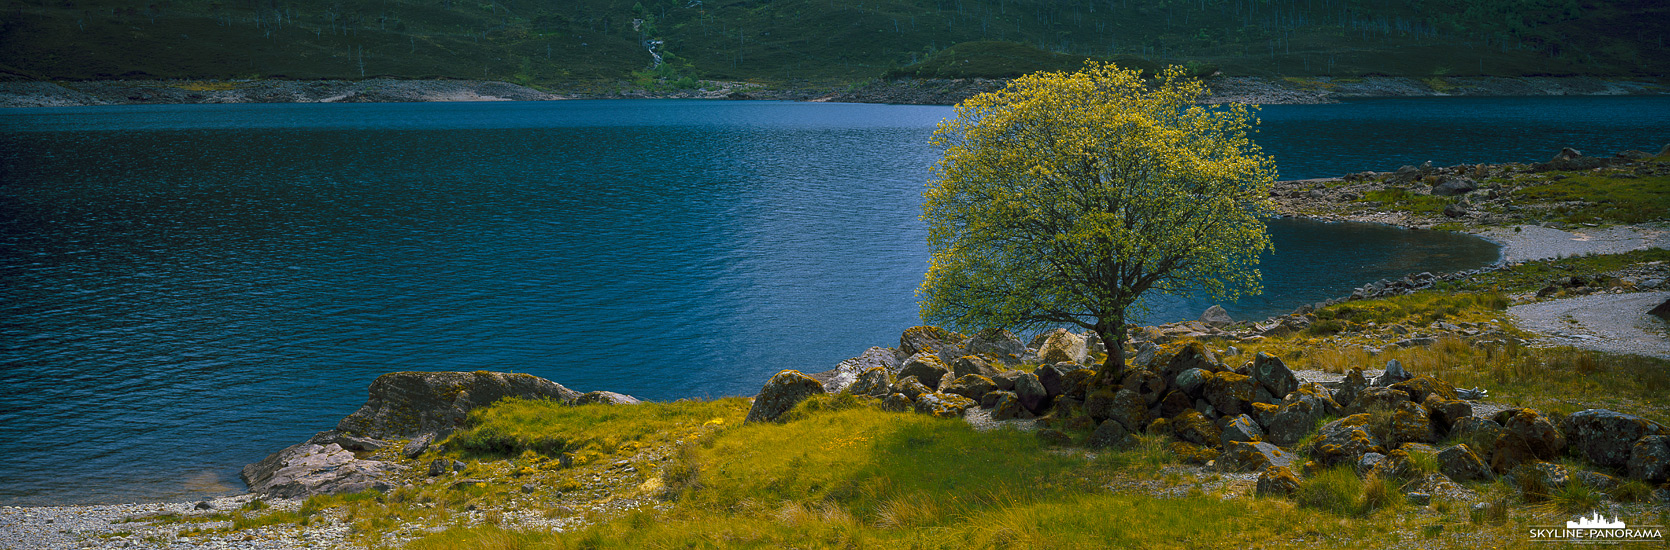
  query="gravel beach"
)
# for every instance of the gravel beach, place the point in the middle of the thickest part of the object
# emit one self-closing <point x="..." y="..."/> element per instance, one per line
<point x="1529" y="242"/>
<point x="1615" y="323"/>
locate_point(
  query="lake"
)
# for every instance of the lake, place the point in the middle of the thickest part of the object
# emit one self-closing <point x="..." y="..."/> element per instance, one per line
<point x="186" y="288"/>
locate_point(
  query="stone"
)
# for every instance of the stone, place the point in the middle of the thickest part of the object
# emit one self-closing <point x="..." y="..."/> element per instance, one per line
<point x="1052" y="378"/>
<point x="1550" y="475"/>
<point x="874" y="381"/>
<point x="1108" y="434"/>
<point x="1661" y="311"/>
<point x="1175" y="403"/>
<point x="1595" y="480"/>
<point x="1377" y="398"/>
<point x="1298" y="415"/>
<point x="1229" y="393"/>
<point x="1440" y="485"/>
<point x="1416" y="498"/>
<point x="439" y="466"/>
<point x="1124" y="407"/>
<point x="1216" y="317"/>
<point x="1062" y="345"/>
<point x="1191" y="356"/>
<point x="910" y="387"/>
<point x="406" y="404"/>
<point x="998" y="344"/>
<point x="969" y="364"/>
<point x="1455" y="210"/>
<point x="1190" y="453"/>
<point x="1544" y="439"/>
<point x="1147" y="384"/>
<point x="1252" y="456"/>
<point x="972" y="386"/>
<point x="1449" y="186"/>
<point x="943" y="405"/>
<point x="1393" y="374"/>
<point x="926" y="367"/>
<point x="1277" y="481"/>
<point x="1006" y="380"/>
<point x="897" y="402"/>
<point x="1007" y="406"/>
<point x="1031" y="392"/>
<point x="606" y="398"/>
<point x="1476" y="431"/>
<point x="1445" y="412"/>
<point x="1605" y="437"/>
<point x="1649" y="459"/>
<point x="1344" y="441"/>
<point x="1052" y="437"/>
<point x="529" y="488"/>
<point x="932" y="341"/>
<point x="1410" y="422"/>
<point x="1195" y="428"/>
<point x="1459" y="462"/>
<point x="1353" y="384"/>
<point x="782" y="392"/>
<point x="1374" y="464"/>
<point x="1420" y="387"/>
<point x="846" y="373"/>
<point x="201" y="505"/>
<point x="417" y="446"/>
<point x="1273" y="375"/>
<point x="1507" y="452"/>
<point x="307" y="469"/>
<point x="1077" y="383"/>
<point x="1147" y="356"/>
<point x="1192" y="381"/>
<point x="1240" y="428"/>
<point x="1263" y="413"/>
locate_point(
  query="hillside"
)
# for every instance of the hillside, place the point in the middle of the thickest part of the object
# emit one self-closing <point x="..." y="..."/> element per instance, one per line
<point x="577" y="44"/>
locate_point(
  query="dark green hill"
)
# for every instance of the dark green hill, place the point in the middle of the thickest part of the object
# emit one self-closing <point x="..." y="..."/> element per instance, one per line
<point x="568" y="43"/>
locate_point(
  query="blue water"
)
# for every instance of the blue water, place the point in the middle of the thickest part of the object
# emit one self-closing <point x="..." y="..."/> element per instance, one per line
<point x="184" y="289"/>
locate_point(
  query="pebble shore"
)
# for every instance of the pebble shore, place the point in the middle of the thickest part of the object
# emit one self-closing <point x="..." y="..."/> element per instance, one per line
<point x="137" y="526"/>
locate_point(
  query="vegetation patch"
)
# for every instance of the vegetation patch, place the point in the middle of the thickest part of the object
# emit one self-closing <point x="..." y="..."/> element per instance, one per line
<point x="549" y="428"/>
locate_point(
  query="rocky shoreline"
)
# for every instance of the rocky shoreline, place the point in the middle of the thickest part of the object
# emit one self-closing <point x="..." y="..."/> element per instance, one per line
<point x="1255" y="90"/>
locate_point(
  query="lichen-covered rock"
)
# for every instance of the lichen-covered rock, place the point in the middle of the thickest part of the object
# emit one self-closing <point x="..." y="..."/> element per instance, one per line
<point x="1241" y="428"/>
<point x="897" y="402"/>
<point x="1062" y="345"/>
<point x="1271" y="373"/>
<point x="1252" y="456"/>
<point x="1124" y="407"/>
<point x="1008" y="406"/>
<point x="1191" y="356"/>
<point x="1147" y="384"/>
<point x="1344" y="441"/>
<point x="931" y="340"/>
<point x="1649" y="459"/>
<point x="943" y="405"/>
<point x="1031" y="392"/>
<point x="1393" y="374"/>
<point x="1374" y="464"/>
<point x="1052" y="377"/>
<point x="1231" y="394"/>
<point x="1459" y="462"/>
<point x="1298" y="415"/>
<point x="846" y="373"/>
<point x="605" y="398"/>
<point x="1108" y="434"/>
<point x="1263" y="413"/>
<point x="1440" y="485"/>
<point x="1595" y="480"/>
<point x="1422" y="386"/>
<point x="1192" y="381"/>
<point x="1507" y="452"/>
<point x="910" y="387"/>
<point x="1605" y="437"/>
<point x="1544" y="438"/>
<point x="307" y="469"/>
<point x="407" y="404"/>
<point x="1078" y="382"/>
<point x="1477" y="432"/>
<point x="1410" y="422"/>
<point x="972" y="386"/>
<point x="1277" y="481"/>
<point x="1195" y="428"/>
<point x="969" y="364"/>
<point x="1190" y="453"/>
<point x="926" y="367"/>
<point x="781" y="393"/>
<point x="1353" y="384"/>
<point x="998" y="344"/>
<point x="1549" y="475"/>
<point x="1445" y="412"/>
<point x="1052" y="437"/>
<point x="1377" y="398"/>
<point x="1175" y="403"/>
<point x="875" y="382"/>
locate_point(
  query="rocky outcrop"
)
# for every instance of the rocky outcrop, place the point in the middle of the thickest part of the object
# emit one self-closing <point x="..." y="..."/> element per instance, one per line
<point x="408" y="404"/>
<point x="605" y="398"/>
<point x="312" y="468"/>
<point x="1459" y="462"/>
<point x="781" y="393"/>
<point x="1605" y="437"/>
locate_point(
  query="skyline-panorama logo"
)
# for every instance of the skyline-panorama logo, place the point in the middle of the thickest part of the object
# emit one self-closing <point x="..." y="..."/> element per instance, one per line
<point x="1598" y="529"/>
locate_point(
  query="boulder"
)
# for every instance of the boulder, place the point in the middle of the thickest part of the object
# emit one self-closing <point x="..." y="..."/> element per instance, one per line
<point x="1216" y="317"/>
<point x="931" y="340"/>
<point x="1252" y="456"/>
<point x="606" y="398"/>
<point x="874" y="381"/>
<point x="1393" y="374"/>
<point x="1549" y="475"/>
<point x="1445" y="412"/>
<point x="1078" y="382"/>
<point x="1410" y="422"/>
<point x="972" y="386"/>
<point x="1595" y="480"/>
<point x="1032" y="393"/>
<point x="1006" y="380"/>
<point x="1124" y="407"/>
<point x="1649" y="459"/>
<point x="1344" y="441"/>
<point x="1007" y="406"/>
<point x="1062" y="345"/>
<point x="407" y="404"/>
<point x="1193" y="427"/>
<point x="1192" y="356"/>
<point x="910" y="387"/>
<point x="1544" y="439"/>
<point x="1053" y="379"/>
<point x="1421" y="386"/>
<point x="350" y="442"/>
<point x="998" y="344"/>
<point x="307" y="469"/>
<point x="1273" y="375"/>
<point x="1240" y="428"/>
<point x="1441" y="485"/>
<point x="417" y="446"/>
<point x="897" y="402"/>
<point x="1377" y="398"/>
<point x="969" y="364"/>
<point x="926" y="367"/>
<point x="846" y="373"/>
<point x="1051" y="437"/>
<point x="1353" y="384"/>
<point x="1606" y="437"/>
<point x="1449" y="186"/>
<point x="1175" y="403"/>
<point x="1229" y="393"/>
<point x="943" y="405"/>
<point x="1108" y="434"/>
<point x="1147" y="384"/>
<point x="1461" y="463"/>
<point x="1192" y="381"/>
<point x="1661" y="311"/>
<point x="1277" y="481"/>
<point x="781" y="393"/>
<point x="1298" y="414"/>
<point x="1374" y="464"/>
<point x="1478" y="432"/>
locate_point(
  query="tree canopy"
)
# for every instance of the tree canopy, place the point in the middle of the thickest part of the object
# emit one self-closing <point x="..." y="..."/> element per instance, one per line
<point x="1064" y="197"/>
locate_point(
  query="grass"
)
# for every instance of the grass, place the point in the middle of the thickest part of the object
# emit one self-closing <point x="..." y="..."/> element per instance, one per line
<point x="1604" y="198"/>
<point x="1534" y="275"/>
<point x="515" y="426"/>
<point x="1402" y="199"/>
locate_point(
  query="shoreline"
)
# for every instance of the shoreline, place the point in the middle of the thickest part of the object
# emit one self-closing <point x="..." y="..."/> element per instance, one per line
<point x="1227" y="89"/>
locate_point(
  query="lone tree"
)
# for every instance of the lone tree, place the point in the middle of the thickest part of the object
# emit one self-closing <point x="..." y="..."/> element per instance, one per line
<point x="1062" y="198"/>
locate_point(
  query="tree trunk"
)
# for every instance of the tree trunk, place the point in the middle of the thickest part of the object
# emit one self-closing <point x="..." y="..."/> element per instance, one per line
<point x="1112" y="332"/>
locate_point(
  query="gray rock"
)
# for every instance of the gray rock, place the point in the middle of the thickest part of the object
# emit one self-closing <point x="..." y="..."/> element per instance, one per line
<point x="606" y="398"/>
<point x="439" y="466"/>
<point x="1277" y="481"/>
<point x="1353" y="384"/>
<point x="874" y="381"/>
<point x="943" y="405"/>
<point x="1459" y="462"/>
<point x="1544" y="439"/>
<point x="897" y="402"/>
<point x="781" y="393"/>
<point x="1031" y="392"/>
<point x="405" y="404"/>
<point x="1126" y="407"/>
<point x="926" y="367"/>
<point x="1192" y="381"/>
<point x="1245" y="456"/>
<point x="1605" y="437"/>
<point x="1374" y="464"/>
<point x="204" y="505"/>
<point x="1229" y="393"/>
<point x="910" y="387"/>
<point x="1649" y="459"/>
<point x="1273" y="375"/>
<point x="1344" y="441"/>
<point x="1216" y="317"/>
<point x="1450" y="186"/>
<point x="353" y="443"/>
<point x="972" y="386"/>
<point x="1107" y="434"/>
<point x="1393" y="374"/>
<point x="1062" y="345"/>
<point x="846" y="372"/>
<point x="1053" y="379"/>
<point x="1445" y="412"/>
<point x="931" y="340"/>
<point x="1661" y="311"/>
<point x="1595" y="480"/>
<point x="1416" y="498"/>
<point x="1240" y="428"/>
<point x="969" y="364"/>
<point x="417" y="446"/>
<point x="1145" y="383"/>
<point x="307" y="469"/>
<point x="999" y="344"/>
<point x="1377" y="398"/>
<point x="1007" y="406"/>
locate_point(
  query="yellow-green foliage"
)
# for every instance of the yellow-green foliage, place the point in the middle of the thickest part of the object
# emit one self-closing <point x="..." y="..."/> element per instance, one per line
<point x="513" y="426"/>
<point x="1402" y="199"/>
<point x="1067" y="196"/>
<point x="1605" y="197"/>
<point x="1419" y="309"/>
